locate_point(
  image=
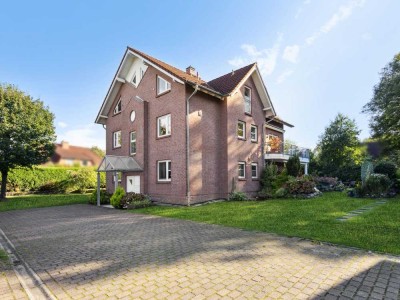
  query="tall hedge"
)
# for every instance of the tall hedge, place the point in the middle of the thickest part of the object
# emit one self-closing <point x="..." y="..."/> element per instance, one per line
<point x="31" y="179"/>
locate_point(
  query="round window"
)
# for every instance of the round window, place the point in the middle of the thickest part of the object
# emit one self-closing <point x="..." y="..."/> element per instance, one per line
<point x="133" y="116"/>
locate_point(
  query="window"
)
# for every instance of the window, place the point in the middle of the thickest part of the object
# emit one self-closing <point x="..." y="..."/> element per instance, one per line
<point x="118" y="107"/>
<point x="117" y="139"/>
<point x="164" y="170"/>
<point x="164" y="126"/>
<point x="247" y="100"/>
<point x="241" y="130"/>
<point x="134" y="79"/>
<point x="133" y="143"/>
<point x="162" y="85"/>
<point x="242" y="170"/>
<point x="141" y="73"/>
<point x="253" y="133"/>
<point x="254" y="170"/>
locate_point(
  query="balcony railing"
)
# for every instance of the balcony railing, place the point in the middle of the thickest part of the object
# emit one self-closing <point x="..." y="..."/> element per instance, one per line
<point x="286" y="149"/>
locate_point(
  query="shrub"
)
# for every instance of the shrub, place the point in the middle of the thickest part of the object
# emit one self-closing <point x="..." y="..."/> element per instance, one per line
<point x="293" y="166"/>
<point x="134" y="200"/>
<point x="300" y="186"/>
<point x="116" y="198"/>
<point x="238" y="196"/>
<point x="328" y="184"/>
<point x="82" y="179"/>
<point x="377" y="185"/>
<point x="281" y="193"/>
<point x="387" y="168"/>
<point x="53" y="187"/>
<point x="104" y="197"/>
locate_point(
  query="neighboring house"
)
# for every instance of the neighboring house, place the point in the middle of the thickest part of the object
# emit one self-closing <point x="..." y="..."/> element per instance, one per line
<point x="67" y="155"/>
<point x="182" y="140"/>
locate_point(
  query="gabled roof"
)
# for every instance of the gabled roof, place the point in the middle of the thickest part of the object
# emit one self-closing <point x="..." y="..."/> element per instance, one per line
<point x="227" y="83"/>
<point x="65" y="151"/>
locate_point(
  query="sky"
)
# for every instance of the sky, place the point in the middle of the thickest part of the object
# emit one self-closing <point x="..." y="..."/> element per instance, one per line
<point x="317" y="58"/>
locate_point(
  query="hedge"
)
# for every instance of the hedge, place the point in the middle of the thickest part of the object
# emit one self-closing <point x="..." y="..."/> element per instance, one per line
<point x="32" y="179"/>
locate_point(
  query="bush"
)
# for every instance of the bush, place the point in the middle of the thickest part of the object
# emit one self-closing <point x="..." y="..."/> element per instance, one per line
<point x="328" y="184"/>
<point x="281" y="193"/>
<point x="387" y="168"/>
<point x="82" y="179"/>
<point x="293" y="166"/>
<point x="116" y="198"/>
<point x="238" y="196"/>
<point x="300" y="186"/>
<point x="134" y="200"/>
<point x="52" y="187"/>
<point x="377" y="185"/>
<point x="104" y="197"/>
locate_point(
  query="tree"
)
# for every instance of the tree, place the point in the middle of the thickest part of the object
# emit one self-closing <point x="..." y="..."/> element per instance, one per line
<point x="27" y="133"/>
<point x="98" y="151"/>
<point x="384" y="107"/>
<point x="293" y="166"/>
<point x="339" y="151"/>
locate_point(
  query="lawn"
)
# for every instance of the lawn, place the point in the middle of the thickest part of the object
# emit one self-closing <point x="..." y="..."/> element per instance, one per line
<point x="315" y="219"/>
<point x="33" y="201"/>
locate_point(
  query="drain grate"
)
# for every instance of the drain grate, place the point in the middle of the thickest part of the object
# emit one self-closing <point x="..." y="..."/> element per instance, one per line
<point x="361" y="210"/>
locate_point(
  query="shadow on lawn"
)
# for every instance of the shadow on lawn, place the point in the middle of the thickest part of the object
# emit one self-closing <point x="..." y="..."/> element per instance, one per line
<point x="82" y="243"/>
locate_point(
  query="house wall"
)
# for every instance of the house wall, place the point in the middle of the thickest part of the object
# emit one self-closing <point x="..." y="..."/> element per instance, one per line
<point x="171" y="148"/>
<point x="244" y="150"/>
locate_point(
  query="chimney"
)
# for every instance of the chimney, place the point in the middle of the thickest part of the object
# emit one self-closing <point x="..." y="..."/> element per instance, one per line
<point x="64" y="145"/>
<point x="191" y="71"/>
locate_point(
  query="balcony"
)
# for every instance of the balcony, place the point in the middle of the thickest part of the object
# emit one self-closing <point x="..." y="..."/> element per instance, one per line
<point x="281" y="152"/>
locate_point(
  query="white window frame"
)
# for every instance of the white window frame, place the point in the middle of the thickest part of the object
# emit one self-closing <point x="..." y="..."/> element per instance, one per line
<point x="244" y="170"/>
<point x="167" y="169"/>
<point x="117" y="139"/>
<point x="116" y="109"/>
<point x="256" y="133"/>
<point x="167" y="86"/>
<point x="134" y="76"/>
<point x="254" y="165"/>
<point x="168" y="129"/>
<point x="243" y="137"/>
<point x="247" y="100"/>
<point x="132" y="141"/>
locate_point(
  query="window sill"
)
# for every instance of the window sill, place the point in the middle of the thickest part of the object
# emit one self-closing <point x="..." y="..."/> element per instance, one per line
<point x="255" y="142"/>
<point x="158" y="181"/>
<point x="118" y="113"/>
<point x="163" y="137"/>
<point x="117" y="147"/>
<point x="242" y="139"/>
<point x="248" y="114"/>
<point x="163" y="93"/>
<point x="242" y="179"/>
<point x="255" y="179"/>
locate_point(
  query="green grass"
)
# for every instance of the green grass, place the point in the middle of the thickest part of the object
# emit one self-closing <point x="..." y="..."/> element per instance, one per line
<point x="315" y="219"/>
<point x="4" y="262"/>
<point x="34" y="201"/>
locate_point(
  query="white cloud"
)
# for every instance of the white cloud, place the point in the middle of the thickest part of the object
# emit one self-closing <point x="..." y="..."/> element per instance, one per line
<point x="86" y="136"/>
<point x="62" y="124"/>
<point x="265" y="58"/>
<point x="281" y="78"/>
<point x="291" y="53"/>
<point x="344" y="12"/>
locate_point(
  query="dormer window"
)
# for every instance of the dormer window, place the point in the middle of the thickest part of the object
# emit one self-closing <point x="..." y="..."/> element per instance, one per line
<point x="247" y="100"/>
<point x="163" y="86"/>
<point x="118" y="107"/>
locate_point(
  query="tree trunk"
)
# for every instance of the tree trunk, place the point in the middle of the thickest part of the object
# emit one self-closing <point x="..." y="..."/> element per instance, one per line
<point x="4" y="174"/>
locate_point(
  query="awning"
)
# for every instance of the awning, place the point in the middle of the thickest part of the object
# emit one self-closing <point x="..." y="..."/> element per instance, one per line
<point x="112" y="163"/>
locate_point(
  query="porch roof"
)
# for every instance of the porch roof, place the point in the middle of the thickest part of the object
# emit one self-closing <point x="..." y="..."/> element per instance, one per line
<point x="112" y="163"/>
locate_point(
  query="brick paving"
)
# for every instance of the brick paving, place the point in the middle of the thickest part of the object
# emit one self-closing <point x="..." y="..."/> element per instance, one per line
<point x="85" y="252"/>
<point x="10" y="287"/>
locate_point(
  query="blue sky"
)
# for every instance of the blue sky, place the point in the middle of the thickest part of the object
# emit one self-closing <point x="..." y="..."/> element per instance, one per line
<point x="317" y="58"/>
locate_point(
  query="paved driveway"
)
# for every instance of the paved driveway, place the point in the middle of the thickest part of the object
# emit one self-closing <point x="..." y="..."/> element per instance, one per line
<point x="85" y="252"/>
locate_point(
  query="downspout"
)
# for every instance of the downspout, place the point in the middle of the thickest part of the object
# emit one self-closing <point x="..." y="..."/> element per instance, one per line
<point x="188" y="145"/>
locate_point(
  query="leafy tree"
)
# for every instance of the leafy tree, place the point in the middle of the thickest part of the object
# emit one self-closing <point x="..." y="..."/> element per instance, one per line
<point x="293" y="166"/>
<point x="27" y="133"/>
<point x="98" y="151"/>
<point x="339" y="151"/>
<point x="384" y="107"/>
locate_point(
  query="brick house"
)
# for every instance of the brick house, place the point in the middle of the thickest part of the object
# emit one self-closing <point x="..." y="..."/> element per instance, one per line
<point x="182" y="140"/>
<point x="69" y="155"/>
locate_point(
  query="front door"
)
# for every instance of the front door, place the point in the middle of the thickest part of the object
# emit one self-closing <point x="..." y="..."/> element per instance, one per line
<point x="133" y="184"/>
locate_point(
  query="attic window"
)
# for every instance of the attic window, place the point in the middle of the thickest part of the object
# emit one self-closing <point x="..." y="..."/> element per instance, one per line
<point x="118" y="107"/>
<point x="247" y="100"/>
<point x="134" y="80"/>
<point x="163" y="86"/>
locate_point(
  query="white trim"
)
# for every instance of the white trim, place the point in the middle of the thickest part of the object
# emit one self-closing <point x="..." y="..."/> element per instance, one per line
<point x="256" y="165"/>
<point x="166" y="82"/>
<point x="115" y="139"/>
<point x="130" y="143"/>
<point x="244" y="100"/>
<point x="167" y="170"/>
<point x="275" y="128"/>
<point x="169" y="126"/>
<point x="120" y="80"/>
<point x="116" y="106"/>
<point x="244" y="130"/>
<point x="244" y="169"/>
